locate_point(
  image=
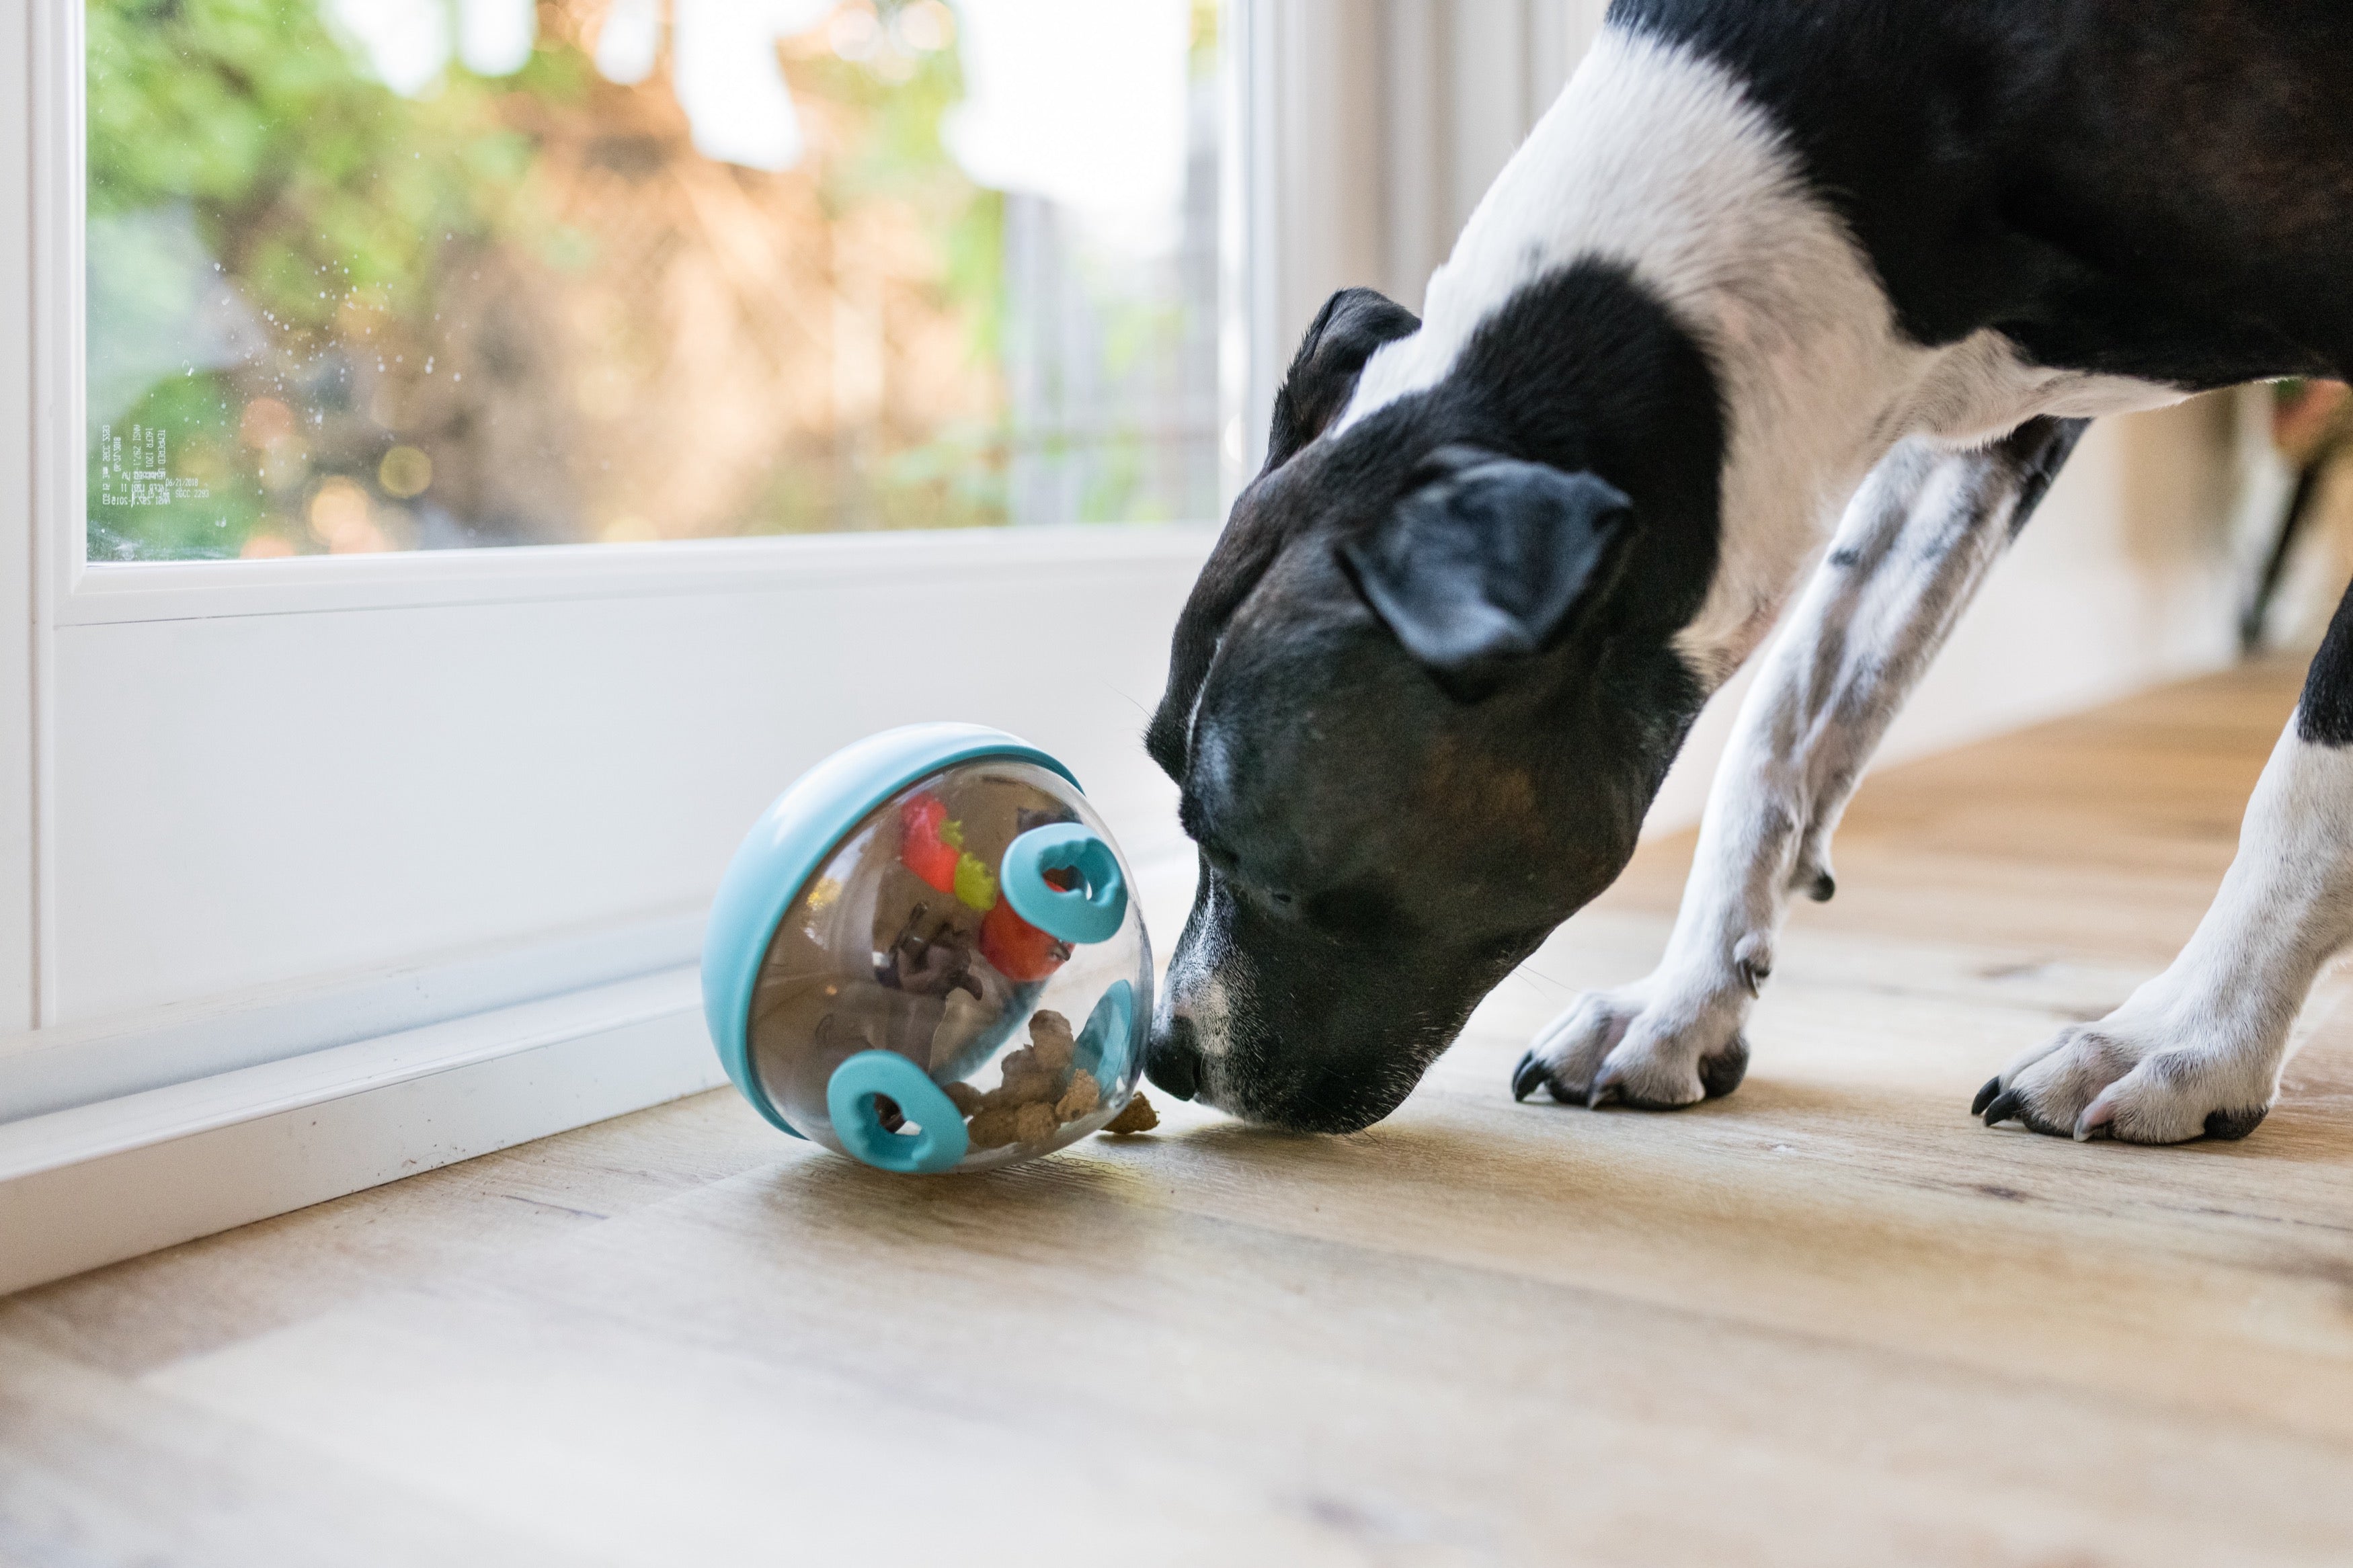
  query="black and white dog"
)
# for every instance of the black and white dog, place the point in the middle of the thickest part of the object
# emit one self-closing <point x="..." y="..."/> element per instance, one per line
<point x="1768" y="266"/>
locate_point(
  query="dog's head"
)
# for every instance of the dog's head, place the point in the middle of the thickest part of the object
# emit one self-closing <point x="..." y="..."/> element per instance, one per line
<point x="1423" y="690"/>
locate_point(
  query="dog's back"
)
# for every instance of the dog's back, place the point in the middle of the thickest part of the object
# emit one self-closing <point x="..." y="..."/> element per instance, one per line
<point x="2155" y="188"/>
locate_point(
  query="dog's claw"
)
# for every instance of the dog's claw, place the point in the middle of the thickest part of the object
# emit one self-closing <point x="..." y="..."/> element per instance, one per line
<point x="1985" y="1096"/>
<point x="1528" y="1076"/>
<point x="1752" y="961"/>
<point x="2005" y="1107"/>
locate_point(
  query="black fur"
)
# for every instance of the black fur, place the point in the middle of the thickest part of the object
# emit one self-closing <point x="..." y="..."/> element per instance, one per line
<point x="1352" y="324"/>
<point x="1485" y="567"/>
<point x="2324" y="717"/>
<point x="1418" y="844"/>
<point x="2041" y="447"/>
<point x="2153" y="188"/>
<point x="1581" y="372"/>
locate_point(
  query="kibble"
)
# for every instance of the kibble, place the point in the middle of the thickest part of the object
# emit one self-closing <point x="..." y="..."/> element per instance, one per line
<point x="994" y="1128"/>
<point x="1081" y="1099"/>
<point x="1137" y="1116"/>
<point x="1040" y="1091"/>
<point x="1029" y="1082"/>
<point x="1050" y="1041"/>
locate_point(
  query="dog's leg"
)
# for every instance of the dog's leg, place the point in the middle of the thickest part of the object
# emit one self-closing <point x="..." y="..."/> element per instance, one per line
<point x="1916" y="541"/>
<point x="2197" y="1051"/>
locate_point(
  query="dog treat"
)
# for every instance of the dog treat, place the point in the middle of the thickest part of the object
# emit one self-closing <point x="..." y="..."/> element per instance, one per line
<point x="1050" y="1041"/>
<point x="1027" y="1080"/>
<point x="994" y="1128"/>
<point x="1081" y="1099"/>
<point x="1040" y="1091"/>
<point x="930" y="844"/>
<point x="1137" y="1117"/>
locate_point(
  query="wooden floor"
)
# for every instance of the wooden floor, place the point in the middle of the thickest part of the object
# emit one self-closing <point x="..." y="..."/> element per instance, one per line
<point x="1828" y="1320"/>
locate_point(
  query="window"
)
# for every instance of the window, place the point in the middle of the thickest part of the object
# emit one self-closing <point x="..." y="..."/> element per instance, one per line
<point x="475" y="453"/>
<point x="385" y="275"/>
<point x="321" y="289"/>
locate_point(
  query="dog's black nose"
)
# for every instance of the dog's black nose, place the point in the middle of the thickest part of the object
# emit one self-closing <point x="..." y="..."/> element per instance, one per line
<point x="1171" y="1061"/>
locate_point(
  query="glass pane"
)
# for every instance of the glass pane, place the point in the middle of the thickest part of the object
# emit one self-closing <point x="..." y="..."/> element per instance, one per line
<point x="376" y="275"/>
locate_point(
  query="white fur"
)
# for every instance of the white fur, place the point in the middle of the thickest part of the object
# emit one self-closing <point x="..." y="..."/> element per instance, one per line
<point x="1920" y="537"/>
<point x="1194" y="988"/>
<point x="1656" y="159"/>
<point x="2210" y="1034"/>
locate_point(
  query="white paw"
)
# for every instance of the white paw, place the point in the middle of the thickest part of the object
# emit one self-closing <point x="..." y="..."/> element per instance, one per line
<point x="1655" y="1045"/>
<point x="2140" y="1078"/>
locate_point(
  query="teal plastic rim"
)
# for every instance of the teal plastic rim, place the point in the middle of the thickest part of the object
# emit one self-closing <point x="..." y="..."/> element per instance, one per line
<point x="791" y="843"/>
<point x="858" y="1122"/>
<point x="1091" y="913"/>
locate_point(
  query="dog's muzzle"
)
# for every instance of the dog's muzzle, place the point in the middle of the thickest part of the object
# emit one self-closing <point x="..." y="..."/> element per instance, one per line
<point x="1173" y="1060"/>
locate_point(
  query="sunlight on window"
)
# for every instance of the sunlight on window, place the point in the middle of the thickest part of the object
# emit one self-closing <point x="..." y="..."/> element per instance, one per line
<point x="372" y="275"/>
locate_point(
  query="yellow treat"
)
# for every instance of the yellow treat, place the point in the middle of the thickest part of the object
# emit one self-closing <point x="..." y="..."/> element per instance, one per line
<point x="1138" y="1117"/>
<point x="966" y="1099"/>
<point x="1081" y="1099"/>
<point x="993" y="1129"/>
<point x="1034" y="1124"/>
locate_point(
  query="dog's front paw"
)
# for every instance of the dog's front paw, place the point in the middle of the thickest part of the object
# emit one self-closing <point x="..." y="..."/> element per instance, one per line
<point x="2137" y="1078"/>
<point x="1652" y="1046"/>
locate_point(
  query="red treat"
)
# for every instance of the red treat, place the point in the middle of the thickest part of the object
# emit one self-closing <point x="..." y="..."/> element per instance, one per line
<point x="922" y="849"/>
<point x="1020" y="951"/>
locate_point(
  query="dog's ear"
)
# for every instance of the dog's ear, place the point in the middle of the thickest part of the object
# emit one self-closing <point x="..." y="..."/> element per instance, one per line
<point x="1345" y="332"/>
<point x="1489" y="564"/>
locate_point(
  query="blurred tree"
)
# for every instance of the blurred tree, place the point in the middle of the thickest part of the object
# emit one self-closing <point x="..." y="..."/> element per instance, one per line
<point x="308" y="178"/>
<point x="568" y="322"/>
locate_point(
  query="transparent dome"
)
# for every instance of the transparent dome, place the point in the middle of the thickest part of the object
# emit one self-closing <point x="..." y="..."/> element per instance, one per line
<point x="962" y="983"/>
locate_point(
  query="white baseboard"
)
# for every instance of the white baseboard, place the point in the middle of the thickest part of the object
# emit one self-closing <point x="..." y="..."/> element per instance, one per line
<point x="111" y="1058"/>
<point x="101" y="1182"/>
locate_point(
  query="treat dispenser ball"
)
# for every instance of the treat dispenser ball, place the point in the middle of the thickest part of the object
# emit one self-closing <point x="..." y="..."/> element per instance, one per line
<point x="925" y="956"/>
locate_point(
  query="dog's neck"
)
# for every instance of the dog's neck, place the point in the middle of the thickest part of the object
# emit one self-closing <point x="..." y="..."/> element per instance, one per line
<point x="1655" y="159"/>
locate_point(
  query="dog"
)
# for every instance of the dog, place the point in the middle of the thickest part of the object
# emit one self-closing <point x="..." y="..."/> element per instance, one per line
<point x="1768" y="270"/>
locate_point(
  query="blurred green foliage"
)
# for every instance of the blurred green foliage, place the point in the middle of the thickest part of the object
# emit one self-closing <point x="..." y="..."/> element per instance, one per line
<point x="308" y="178"/>
<point x="305" y="180"/>
<point x="244" y="142"/>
